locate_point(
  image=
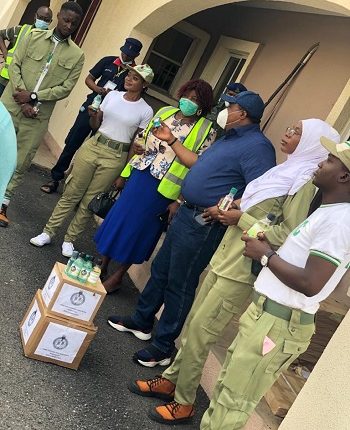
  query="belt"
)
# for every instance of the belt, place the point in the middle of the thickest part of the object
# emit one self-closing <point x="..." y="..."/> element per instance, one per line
<point x="281" y="311"/>
<point x="197" y="208"/>
<point x="114" y="144"/>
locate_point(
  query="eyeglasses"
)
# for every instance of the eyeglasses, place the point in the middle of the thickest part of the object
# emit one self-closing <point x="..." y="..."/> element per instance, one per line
<point x="290" y="131"/>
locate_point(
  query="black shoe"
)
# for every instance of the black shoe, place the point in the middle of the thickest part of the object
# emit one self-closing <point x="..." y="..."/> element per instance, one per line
<point x="151" y="357"/>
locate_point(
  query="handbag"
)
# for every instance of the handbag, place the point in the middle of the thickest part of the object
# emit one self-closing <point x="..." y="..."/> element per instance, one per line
<point x="102" y="203"/>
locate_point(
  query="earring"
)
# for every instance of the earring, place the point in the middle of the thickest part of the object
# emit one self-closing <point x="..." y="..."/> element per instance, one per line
<point x="199" y="112"/>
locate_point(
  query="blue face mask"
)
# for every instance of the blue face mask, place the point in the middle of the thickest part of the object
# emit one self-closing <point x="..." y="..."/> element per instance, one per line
<point x="41" y="25"/>
<point x="188" y="107"/>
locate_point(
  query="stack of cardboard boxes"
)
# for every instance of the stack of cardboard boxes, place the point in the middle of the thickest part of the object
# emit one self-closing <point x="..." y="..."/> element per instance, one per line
<point x="58" y="325"/>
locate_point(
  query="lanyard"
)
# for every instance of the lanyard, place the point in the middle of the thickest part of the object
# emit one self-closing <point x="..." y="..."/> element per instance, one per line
<point x="45" y="69"/>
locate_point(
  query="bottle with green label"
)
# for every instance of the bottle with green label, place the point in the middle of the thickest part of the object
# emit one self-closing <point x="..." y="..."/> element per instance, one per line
<point x="76" y="266"/>
<point x="95" y="274"/>
<point x="86" y="269"/>
<point x="261" y="226"/>
<point x="228" y="199"/>
<point x="70" y="261"/>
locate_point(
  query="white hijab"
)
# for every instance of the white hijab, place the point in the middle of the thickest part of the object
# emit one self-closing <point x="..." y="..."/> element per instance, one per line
<point x="290" y="176"/>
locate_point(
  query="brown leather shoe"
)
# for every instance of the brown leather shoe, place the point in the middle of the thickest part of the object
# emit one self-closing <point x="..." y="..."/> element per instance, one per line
<point x="158" y="387"/>
<point x="172" y="413"/>
<point x="4" y="222"/>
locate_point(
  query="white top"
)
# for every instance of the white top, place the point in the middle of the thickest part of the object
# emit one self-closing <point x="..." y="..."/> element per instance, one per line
<point x="121" y="118"/>
<point x="325" y="234"/>
<point x="290" y="176"/>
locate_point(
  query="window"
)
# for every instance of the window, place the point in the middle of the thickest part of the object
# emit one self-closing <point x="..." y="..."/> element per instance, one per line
<point x="167" y="56"/>
<point x="229" y="75"/>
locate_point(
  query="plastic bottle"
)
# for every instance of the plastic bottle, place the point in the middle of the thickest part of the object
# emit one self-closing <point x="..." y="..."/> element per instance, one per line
<point x="139" y="139"/>
<point x="261" y="226"/>
<point x="228" y="199"/>
<point x="157" y="122"/>
<point x="86" y="269"/>
<point x="76" y="266"/>
<point x="95" y="105"/>
<point x="70" y="261"/>
<point x="95" y="273"/>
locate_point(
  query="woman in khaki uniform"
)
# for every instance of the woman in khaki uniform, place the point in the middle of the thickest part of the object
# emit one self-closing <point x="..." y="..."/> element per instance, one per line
<point x="101" y="159"/>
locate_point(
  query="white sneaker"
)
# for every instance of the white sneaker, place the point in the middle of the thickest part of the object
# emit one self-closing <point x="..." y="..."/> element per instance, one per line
<point x="40" y="240"/>
<point x="67" y="249"/>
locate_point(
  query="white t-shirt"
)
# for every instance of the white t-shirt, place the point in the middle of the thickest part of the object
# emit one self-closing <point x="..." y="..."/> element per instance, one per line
<point x="325" y="234"/>
<point x="122" y="118"/>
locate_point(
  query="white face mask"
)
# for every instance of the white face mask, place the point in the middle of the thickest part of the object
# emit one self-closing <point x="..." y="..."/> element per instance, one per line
<point x="223" y="116"/>
<point x="126" y="63"/>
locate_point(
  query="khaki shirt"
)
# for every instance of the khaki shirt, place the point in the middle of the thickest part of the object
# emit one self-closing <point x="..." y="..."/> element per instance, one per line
<point x="28" y="62"/>
<point x="229" y="262"/>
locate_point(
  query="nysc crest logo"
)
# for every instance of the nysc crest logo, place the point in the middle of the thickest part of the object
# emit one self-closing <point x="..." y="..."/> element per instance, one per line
<point x="77" y="299"/>
<point x="51" y="283"/>
<point x="60" y="342"/>
<point x="32" y="318"/>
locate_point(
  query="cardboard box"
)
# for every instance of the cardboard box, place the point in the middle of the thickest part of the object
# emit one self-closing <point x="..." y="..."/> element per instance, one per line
<point x="51" y="339"/>
<point x="69" y="298"/>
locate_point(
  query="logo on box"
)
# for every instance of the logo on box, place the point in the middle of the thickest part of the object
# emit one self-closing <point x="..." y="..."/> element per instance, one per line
<point x="60" y="342"/>
<point x="77" y="299"/>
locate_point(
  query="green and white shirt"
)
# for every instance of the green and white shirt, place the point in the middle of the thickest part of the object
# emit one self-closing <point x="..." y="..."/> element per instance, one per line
<point x="325" y="234"/>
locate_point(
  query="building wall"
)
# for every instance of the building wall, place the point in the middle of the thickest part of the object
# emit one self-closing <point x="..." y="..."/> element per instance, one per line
<point x="285" y="38"/>
<point x="323" y="403"/>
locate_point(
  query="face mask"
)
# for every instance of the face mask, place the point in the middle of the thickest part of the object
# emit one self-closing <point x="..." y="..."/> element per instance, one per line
<point x="188" y="107"/>
<point x="222" y="118"/>
<point x="126" y="63"/>
<point x="41" y="25"/>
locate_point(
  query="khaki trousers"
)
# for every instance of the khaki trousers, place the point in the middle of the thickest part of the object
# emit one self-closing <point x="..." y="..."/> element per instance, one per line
<point x="217" y="301"/>
<point x="30" y="133"/>
<point x="95" y="168"/>
<point x="247" y="374"/>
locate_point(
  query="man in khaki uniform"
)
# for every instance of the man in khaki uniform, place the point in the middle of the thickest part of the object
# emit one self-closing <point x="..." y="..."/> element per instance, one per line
<point x="45" y="69"/>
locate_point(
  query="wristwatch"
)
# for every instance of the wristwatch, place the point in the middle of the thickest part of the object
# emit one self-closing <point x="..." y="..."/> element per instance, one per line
<point x="33" y="97"/>
<point x="264" y="260"/>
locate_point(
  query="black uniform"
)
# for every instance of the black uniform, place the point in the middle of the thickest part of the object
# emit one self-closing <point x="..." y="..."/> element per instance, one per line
<point x="105" y="71"/>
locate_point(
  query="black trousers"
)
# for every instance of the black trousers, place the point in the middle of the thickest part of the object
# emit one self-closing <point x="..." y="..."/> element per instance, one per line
<point x="75" y="138"/>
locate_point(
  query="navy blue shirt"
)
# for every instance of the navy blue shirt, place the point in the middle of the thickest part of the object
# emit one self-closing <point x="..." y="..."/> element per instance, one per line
<point x="106" y="71"/>
<point x="243" y="154"/>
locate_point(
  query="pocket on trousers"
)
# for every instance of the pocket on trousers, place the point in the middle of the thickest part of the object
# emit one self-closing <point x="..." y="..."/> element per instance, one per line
<point x="284" y="357"/>
<point x="217" y="321"/>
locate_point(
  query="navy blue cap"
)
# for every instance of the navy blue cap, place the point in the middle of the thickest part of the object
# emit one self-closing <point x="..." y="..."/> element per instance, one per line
<point x="131" y="47"/>
<point x="251" y="102"/>
<point x="236" y="87"/>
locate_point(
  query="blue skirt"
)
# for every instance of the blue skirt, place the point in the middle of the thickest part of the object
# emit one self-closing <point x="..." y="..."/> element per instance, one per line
<point x="132" y="227"/>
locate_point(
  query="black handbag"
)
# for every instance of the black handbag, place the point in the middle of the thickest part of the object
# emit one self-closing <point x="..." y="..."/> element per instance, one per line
<point x="102" y="203"/>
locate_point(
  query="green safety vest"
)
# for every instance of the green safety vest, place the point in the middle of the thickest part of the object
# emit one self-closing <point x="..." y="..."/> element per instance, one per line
<point x="170" y="184"/>
<point x="26" y="28"/>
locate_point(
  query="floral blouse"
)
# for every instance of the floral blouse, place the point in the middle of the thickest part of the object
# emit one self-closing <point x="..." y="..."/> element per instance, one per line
<point x="158" y="156"/>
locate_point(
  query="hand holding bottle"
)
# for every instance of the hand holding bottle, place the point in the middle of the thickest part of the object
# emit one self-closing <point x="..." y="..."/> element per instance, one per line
<point x="163" y="133"/>
<point x="230" y="217"/>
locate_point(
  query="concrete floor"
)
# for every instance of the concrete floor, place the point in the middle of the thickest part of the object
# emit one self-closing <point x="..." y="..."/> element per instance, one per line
<point x="40" y="396"/>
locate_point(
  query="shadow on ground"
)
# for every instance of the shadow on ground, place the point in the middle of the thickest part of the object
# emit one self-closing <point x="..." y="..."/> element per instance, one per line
<point x="40" y="396"/>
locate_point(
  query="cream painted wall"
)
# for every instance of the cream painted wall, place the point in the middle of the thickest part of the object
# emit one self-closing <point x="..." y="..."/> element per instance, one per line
<point x="323" y="403"/>
<point x="11" y="12"/>
<point x="116" y="20"/>
<point x="284" y="38"/>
